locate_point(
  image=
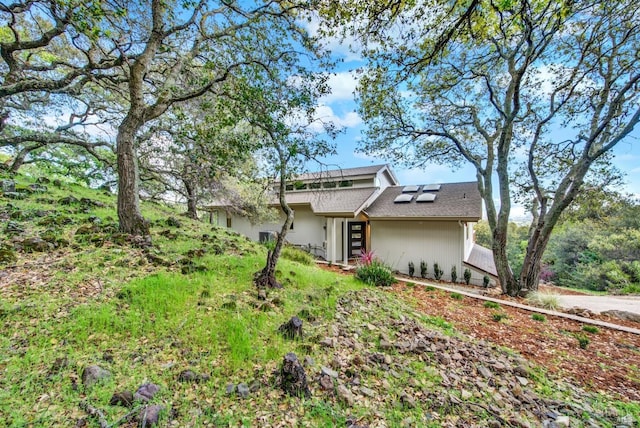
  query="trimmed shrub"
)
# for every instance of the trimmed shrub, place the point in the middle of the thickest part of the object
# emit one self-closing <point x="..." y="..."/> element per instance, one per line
<point x="437" y="272"/>
<point x="538" y="317"/>
<point x="423" y="269"/>
<point x="375" y="273"/>
<point x="485" y="281"/>
<point x="491" y="305"/>
<point x="590" y="329"/>
<point x="467" y="276"/>
<point x="454" y="274"/>
<point x="456" y="296"/>
<point x="583" y="341"/>
<point x="412" y="269"/>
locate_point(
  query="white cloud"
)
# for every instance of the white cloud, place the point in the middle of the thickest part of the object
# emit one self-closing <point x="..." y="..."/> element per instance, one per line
<point x="343" y="86"/>
<point x="346" y="49"/>
<point x="325" y="115"/>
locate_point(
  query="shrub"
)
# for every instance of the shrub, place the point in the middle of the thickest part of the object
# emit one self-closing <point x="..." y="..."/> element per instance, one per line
<point x="485" y="281"/>
<point x="491" y="305"/>
<point x="499" y="317"/>
<point x="538" y="317"/>
<point x="467" y="276"/>
<point x="543" y="300"/>
<point x="437" y="272"/>
<point x="456" y="296"/>
<point x="590" y="329"/>
<point x="454" y="274"/>
<point x="297" y="255"/>
<point x="423" y="269"/>
<point x="375" y="273"/>
<point x="428" y="288"/>
<point x="583" y="341"/>
<point x="412" y="269"/>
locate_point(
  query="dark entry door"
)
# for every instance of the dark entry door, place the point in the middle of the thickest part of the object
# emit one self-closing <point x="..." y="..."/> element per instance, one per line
<point x="357" y="238"/>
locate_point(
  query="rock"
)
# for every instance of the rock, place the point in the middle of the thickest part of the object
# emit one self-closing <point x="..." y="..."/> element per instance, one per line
<point x="243" y="390"/>
<point x="523" y="381"/>
<point x="262" y="294"/>
<point x="484" y="372"/>
<point x="8" y="186"/>
<point x="36" y="244"/>
<point x="173" y="222"/>
<point x="345" y="394"/>
<point x="293" y="379"/>
<point x="94" y="374"/>
<point x="230" y="389"/>
<point x="146" y="392"/>
<point x="623" y="315"/>
<point x="292" y="329"/>
<point x="13" y="228"/>
<point x="68" y="200"/>
<point x="150" y="415"/>
<point x="407" y="401"/>
<point x="37" y="188"/>
<point x="563" y="421"/>
<point x="328" y="342"/>
<point x="326" y="383"/>
<point x="327" y="371"/>
<point x="188" y="376"/>
<point x="465" y="395"/>
<point x="124" y="398"/>
<point x="309" y="361"/>
<point x="367" y="391"/>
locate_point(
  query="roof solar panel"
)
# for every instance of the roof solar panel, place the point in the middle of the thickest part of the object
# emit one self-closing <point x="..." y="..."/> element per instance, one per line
<point x="409" y="189"/>
<point x="431" y="187"/>
<point x="426" y="197"/>
<point x="403" y="199"/>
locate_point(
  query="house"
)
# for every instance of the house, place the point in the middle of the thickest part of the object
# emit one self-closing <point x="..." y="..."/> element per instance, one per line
<point x="340" y="214"/>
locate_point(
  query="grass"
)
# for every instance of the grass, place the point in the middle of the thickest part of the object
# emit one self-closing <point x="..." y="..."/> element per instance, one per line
<point x="538" y="317"/>
<point x="98" y="301"/>
<point x="543" y="300"/>
<point x="590" y="329"/>
<point x="497" y="317"/>
<point x="456" y="296"/>
<point x="491" y="305"/>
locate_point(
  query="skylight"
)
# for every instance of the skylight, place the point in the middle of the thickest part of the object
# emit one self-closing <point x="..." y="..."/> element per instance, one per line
<point x="426" y="197"/>
<point x="403" y="199"/>
<point x="410" y="189"/>
<point x="431" y="188"/>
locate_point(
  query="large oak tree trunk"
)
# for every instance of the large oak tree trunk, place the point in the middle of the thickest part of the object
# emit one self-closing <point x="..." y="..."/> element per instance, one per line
<point x="131" y="220"/>
<point x="192" y="200"/>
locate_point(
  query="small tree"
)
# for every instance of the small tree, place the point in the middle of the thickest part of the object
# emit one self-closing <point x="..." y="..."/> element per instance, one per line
<point x="412" y="269"/>
<point x="437" y="272"/>
<point x="423" y="269"/>
<point x="454" y="274"/>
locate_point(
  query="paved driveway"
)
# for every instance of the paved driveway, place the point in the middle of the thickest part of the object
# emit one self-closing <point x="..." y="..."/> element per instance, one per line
<point x="599" y="304"/>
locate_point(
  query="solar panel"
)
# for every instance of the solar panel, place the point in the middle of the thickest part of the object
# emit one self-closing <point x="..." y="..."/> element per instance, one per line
<point x="431" y="188"/>
<point x="426" y="197"/>
<point x="403" y="199"/>
<point x="409" y="189"/>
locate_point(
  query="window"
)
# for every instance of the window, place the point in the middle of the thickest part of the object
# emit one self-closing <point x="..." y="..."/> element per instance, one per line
<point x="314" y="186"/>
<point x="229" y="222"/>
<point x="346" y="183"/>
<point x="329" y="184"/>
<point x="288" y="187"/>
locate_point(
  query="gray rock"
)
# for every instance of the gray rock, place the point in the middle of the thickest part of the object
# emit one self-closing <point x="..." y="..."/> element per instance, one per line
<point x="150" y="415"/>
<point x="346" y="395"/>
<point x="8" y="186"/>
<point x="243" y="390"/>
<point x="124" y="398"/>
<point x="94" y="374"/>
<point x="309" y="361"/>
<point x="367" y="391"/>
<point x="484" y="372"/>
<point x="326" y="383"/>
<point x="623" y="315"/>
<point x="146" y="392"/>
<point x="327" y="371"/>
<point x="408" y="401"/>
<point x="230" y="389"/>
<point x="523" y="380"/>
<point x="188" y="376"/>
<point x="563" y="421"/>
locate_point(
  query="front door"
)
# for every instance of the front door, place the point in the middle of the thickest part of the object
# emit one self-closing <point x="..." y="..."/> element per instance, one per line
<point x="357" y="238"/>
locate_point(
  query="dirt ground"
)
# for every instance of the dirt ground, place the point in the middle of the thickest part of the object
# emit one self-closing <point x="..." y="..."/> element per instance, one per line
<point x="610" y="363"/>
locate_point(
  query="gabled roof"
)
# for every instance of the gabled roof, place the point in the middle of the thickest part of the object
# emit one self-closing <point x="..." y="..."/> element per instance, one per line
<point x="346" y="173"/>
<point x="454" y="201"/>
<point x="338" y="202"/>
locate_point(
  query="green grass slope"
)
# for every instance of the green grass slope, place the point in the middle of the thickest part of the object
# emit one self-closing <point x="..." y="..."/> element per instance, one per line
<point x="74" y="293"/>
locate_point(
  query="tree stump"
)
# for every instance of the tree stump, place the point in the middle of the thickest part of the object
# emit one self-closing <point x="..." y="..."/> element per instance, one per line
<point x="292" y="329"/>
<point x="293" y="379"/>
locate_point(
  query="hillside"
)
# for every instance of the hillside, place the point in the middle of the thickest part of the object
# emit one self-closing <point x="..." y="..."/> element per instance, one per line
<point x="178" y="323"/>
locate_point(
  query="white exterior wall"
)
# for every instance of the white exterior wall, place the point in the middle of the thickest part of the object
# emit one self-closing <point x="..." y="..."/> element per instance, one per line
<point x="398" y="242"/>
<point x="383" y="180"/>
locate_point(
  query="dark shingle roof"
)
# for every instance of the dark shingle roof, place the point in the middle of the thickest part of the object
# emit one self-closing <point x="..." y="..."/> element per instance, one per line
<point x="338" y="201"/>
<point x="482" y="259"/>
<point x="460" y="201"/>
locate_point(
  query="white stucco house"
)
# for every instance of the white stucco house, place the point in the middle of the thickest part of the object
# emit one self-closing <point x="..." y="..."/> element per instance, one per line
<point x="340" y="214"/>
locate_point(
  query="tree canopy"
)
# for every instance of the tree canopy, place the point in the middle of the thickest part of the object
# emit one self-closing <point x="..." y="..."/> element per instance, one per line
<point x="534" y="94"/>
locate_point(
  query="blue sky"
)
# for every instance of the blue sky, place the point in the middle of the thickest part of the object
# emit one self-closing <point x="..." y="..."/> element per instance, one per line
<point x="341" y="108"/>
